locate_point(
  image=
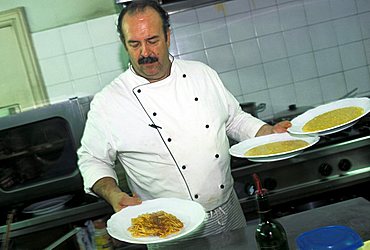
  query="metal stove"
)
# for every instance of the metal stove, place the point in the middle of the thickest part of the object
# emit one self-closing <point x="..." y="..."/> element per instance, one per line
<point x="334" y="169"/>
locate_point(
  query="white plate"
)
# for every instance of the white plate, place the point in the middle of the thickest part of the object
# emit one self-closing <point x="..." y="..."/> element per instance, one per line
<point x="48" y="206"/>
<point x="299" y="121"/>
<point x="190" y="213"/>
<point x="239" y="149"/>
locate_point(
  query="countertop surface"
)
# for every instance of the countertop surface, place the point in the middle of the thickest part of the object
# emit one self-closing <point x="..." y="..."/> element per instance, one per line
<point x="354" y="213"/>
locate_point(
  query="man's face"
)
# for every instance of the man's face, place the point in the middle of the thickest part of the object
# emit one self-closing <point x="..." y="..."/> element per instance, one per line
<point x="146" y="44"/>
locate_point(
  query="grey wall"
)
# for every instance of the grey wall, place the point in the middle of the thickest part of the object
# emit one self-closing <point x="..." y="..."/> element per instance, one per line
<point x="46" y="14"/>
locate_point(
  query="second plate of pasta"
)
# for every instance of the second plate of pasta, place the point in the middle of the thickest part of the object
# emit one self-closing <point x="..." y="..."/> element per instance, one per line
<point x="167" y="218"/>
<point x="272" y="147"/>
<point x="331" y="117"/>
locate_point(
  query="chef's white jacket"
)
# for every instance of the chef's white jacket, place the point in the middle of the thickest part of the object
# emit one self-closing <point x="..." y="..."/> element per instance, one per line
<point x="170" y="136"/>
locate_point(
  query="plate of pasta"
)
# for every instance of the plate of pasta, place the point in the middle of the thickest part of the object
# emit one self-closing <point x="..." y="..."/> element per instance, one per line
<point x="331" y="117"/>
<point x="156" y="221"/>
<point x="273" y="147"/>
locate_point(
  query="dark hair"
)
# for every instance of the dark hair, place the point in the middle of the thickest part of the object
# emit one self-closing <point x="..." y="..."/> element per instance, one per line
<point x="141" y="5"/>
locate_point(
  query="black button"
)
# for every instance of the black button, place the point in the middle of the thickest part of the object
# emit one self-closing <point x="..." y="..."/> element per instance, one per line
<point x="139" y="90"/>
<point x="222" y="186"/>
<point x="207" y="126"/>
<point x="196" y="196"/>
<point x="184" y="75"/>
<point x="154" y="113"/>
<point x="183" y="167"/>
<point x="169" y="139"/>
<point x="216" y="155"/>
<point x="196" y="99"/>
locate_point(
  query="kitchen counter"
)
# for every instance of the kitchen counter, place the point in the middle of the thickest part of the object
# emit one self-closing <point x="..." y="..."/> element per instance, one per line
<point x="354" y="213"/>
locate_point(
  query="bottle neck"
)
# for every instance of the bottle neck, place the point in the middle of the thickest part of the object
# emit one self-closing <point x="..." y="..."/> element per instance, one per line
<point x="263" y="207"/>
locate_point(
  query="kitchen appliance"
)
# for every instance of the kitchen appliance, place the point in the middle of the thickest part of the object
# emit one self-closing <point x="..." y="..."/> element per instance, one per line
<point x="252" y="108"/>
<point x="38" y="153"/>
<point x="334" y="169"/>
<point x="172" y="6"/>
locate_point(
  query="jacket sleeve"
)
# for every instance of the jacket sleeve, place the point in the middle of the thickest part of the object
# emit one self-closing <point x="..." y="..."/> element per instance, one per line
<point x="240" y="125"/>
<point x="97" y="155"/>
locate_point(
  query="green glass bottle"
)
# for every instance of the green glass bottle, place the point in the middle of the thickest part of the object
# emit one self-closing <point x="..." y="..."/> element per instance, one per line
<point x="270" y="234"/>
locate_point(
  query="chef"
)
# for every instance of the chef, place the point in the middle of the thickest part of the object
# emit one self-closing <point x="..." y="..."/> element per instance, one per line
<point x="167" y="121"/>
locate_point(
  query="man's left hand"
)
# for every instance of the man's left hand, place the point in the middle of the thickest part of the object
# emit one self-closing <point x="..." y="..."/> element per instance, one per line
<point x="281" y="127"/>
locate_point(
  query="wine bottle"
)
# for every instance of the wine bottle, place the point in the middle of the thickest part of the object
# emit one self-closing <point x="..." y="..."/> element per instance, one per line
<point x="270" y="234"/>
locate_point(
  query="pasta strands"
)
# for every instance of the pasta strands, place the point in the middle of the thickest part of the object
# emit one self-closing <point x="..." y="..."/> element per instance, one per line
<point x="159" y="224"/>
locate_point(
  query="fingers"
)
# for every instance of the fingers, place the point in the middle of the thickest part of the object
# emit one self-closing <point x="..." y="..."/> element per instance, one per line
<point x="282" y="127"/>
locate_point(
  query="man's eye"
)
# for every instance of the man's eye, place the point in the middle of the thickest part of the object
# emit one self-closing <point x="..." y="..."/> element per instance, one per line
<point x="153" y="41"/>
<point x="134" y="45"/>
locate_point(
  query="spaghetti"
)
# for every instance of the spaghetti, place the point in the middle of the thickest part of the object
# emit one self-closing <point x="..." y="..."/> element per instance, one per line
<point x="159" y="224"/>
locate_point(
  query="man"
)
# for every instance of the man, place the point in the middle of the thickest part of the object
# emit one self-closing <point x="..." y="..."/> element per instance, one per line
<point x="167" y="121"/>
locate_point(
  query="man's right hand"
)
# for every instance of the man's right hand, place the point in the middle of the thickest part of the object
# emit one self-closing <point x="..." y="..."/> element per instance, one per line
<point x="121" y="200"/>
<point x="108" y="189"/>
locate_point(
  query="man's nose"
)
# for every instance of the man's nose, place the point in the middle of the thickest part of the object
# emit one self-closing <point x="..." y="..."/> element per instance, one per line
<point x="145" y="51"/>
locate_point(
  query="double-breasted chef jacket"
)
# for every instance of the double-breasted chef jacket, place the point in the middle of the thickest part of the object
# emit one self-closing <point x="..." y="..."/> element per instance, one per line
<point x="170" y="136"/>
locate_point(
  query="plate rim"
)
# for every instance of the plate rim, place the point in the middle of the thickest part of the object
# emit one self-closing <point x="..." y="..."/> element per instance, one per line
<point x="60" y="202"/>
<point x="297" y="129"/>
<point x="158" y="239"/>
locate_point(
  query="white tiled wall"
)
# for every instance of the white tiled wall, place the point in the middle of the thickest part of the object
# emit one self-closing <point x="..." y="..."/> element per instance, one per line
<point x="280" y="52"/>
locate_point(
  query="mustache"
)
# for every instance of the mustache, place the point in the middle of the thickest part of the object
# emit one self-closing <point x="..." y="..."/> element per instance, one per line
<point x="149" y="59"/>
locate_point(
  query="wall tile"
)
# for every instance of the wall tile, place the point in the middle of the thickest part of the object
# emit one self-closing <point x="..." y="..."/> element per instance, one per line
<point x="231" y="82"/>
<point x="342" y="8"/>
<point x="358" y="78"/>
<point x="353" y="55"/>
<point x="367" y="50"/>
<point x="282" y="97"/>
<point x="107" y="77"/>
<point x="86" y="86"/>
<point x="55" y="70"/>
<point x="240" y="27"/>
<point x="48" y="43"/>
<point x="82" y="63"/>
<point x="60" y="92"/>
<point x="322" y="35"/>
<point x="317" y="10"/>
<point x="308" y="92"/>
<point x="266" y="21"/>
<point x="173" y="46"/>
<point x="292" y="15"/>
<point x="328" y="61"/>
<point x="261" y="3"/>
<point x="236" y="7"/>
<point x="184" y="18"/>
<point x="363" y="5"/>
<point x="365" y="24"/>
<point x="102" y="31"/>
<point x="214" y="32"/>
<point x="297" y="41"/>
<point x="108" y="57"/>
<point x="303" y="67"/>
<point x="221" y="58"/>
<point x="333" y="87"/>
<point x="246" y="53"/>
<point x="272" y="47"/>
<point x="210" y="12"/>
<point x="277" y="73"/>
<point x="189" y="39"/>
<point x="196" y="56"/>
<point x="76" y="37"/>
<point x="252" y="79"/>
<point x="347" y="29"/>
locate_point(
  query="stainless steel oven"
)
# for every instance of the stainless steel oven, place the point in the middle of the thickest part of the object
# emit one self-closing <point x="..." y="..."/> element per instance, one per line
<point x="38" y="153"/>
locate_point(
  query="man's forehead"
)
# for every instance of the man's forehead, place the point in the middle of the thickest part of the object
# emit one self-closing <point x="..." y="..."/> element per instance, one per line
<point x="141" y="23"/>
